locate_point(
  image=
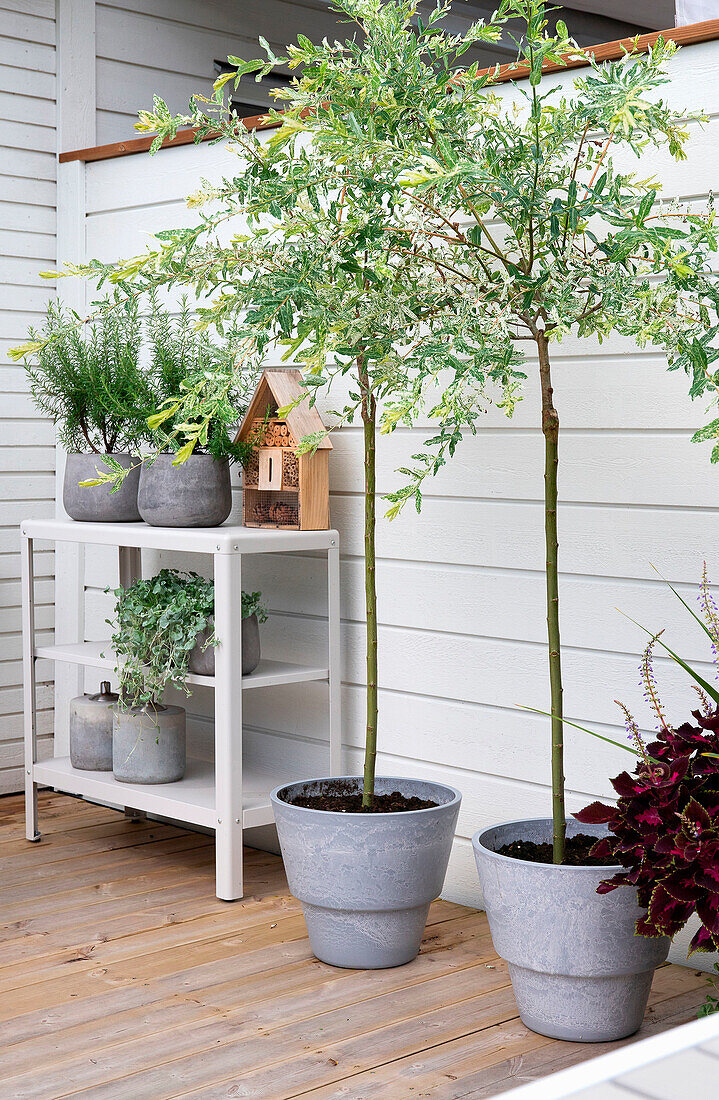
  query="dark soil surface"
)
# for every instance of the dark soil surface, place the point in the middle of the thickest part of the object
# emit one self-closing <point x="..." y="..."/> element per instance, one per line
<point x="576" y="852"/>
<point x="394" y="803"/>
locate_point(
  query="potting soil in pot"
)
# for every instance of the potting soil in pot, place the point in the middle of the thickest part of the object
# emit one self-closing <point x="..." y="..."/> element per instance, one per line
<point x="576" y="851"/>
<point x="344" y="803"/>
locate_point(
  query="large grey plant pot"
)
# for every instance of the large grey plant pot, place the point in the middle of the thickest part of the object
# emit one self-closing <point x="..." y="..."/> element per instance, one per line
<point x="365" y="881"/>
<point x="97" y="503"/>
<point x="196" y="494"/>
<point x="149" y="745"/>
<point x="202" y="657"/>
<point x="578" y="969"/>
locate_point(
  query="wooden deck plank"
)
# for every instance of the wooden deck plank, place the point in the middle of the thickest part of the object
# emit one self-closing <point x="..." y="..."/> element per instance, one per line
<point x="125" y="977"/>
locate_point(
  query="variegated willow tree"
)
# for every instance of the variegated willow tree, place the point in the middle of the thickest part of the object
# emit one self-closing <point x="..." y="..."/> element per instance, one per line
<point x="409" y="228"/>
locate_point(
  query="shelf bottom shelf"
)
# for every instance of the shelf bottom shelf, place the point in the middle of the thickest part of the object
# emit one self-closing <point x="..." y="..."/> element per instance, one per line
<point x="191" y="800"/>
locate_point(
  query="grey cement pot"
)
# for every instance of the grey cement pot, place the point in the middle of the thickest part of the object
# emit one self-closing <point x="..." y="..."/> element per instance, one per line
<point x="96" y="503"/>
<point x="196" y="494"/>
<point x="578" y="969"/>
<point x="202" y="660"/>
<point x="365" y="881"/>
<point x="149" y="745"/>
<point x="91" y="730"/>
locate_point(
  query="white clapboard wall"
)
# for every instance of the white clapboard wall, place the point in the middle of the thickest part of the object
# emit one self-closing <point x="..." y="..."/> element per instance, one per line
<point x="27" y="244"/>
<point x="461" y="587"/>
<point x="168" y="48"/>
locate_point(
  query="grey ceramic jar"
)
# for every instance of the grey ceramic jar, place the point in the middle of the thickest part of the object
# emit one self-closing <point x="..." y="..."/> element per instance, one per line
<point x="578" y="969"/>
<point x="197" y="493"/>
<point x="97" y="503"/>
<point x="149" y="745"/>
<point x="366" y="881"/>
<point x="202" y="657"/>
<point x="91" y="730"/>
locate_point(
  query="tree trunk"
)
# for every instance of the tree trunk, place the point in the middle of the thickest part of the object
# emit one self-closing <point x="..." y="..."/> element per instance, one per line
<point x="369" y="412"/>
<point x="550" y="429"/>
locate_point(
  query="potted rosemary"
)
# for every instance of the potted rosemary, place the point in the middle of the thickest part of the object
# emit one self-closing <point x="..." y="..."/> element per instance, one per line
<point x="93" y="389"/>
<point x="188" y="485"/>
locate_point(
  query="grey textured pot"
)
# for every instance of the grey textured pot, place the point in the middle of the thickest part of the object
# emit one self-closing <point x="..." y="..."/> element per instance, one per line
<point x="365" y="881"/>
<point x="91" y="730"/>
<point x="149" y="745"/>
<point x="196" y="494"/>
<point x="578" y="969"/>
<point x="96" y="503"/>
<point x="202" y="660"/>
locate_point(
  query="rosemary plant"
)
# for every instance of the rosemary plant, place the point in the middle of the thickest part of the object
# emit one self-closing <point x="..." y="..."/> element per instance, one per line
<point x="89" y="382"/>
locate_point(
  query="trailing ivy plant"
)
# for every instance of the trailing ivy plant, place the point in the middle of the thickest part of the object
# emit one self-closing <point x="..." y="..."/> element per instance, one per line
<point x="155" y="629"/>
<point x="408" y="231"/>
<point x="252" y="605"/>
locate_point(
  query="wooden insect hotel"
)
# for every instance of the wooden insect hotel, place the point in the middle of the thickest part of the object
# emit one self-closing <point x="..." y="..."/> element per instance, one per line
<point x="280" y="487"/>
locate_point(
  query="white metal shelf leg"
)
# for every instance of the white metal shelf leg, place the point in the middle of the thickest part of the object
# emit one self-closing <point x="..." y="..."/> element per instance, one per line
<point x="129" y="560"/>
<point x="228" y="725"/>
<point x="29" y="698"/>
<point x="334" y="660"/>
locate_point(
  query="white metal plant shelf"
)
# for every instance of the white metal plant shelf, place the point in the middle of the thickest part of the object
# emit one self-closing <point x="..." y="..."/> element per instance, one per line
<point x="218" y="794"/>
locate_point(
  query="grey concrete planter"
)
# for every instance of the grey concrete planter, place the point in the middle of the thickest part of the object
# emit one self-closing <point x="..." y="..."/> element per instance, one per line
<point x="149" y="745"/>
<point x="365" y="881"/>
<point x="202" y="660"/>
<point x="96" y="503"/>
<point x="196" y="494"/>
<point x="91" y="730"/>
<point x="578" y="969"/>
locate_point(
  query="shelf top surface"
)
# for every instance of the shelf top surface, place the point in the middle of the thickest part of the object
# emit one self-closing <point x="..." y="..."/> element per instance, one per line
<point x="227" y="539"/>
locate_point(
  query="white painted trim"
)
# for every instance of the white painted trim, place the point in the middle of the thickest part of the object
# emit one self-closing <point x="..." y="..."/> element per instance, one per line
<point x="69" y="557"/>
<point x="76" y="90"/>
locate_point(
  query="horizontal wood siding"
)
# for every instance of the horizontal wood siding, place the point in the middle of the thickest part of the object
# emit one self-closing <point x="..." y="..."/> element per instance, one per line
<point x="168" y="48"/>
<point x="27" y="244"/>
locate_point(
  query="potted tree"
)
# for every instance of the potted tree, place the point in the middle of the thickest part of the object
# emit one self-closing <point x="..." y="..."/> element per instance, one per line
<point x="317" y="267"/>
<point x="660" y="842"/>
<point x="93" y="389"/>
<point x="572" y="243"/>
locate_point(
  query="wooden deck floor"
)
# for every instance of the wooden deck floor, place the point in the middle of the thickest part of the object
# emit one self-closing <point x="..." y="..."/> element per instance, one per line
<point x="123" y="976"/>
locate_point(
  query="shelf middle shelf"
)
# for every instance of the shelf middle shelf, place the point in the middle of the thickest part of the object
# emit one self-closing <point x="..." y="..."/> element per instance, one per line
<point x="267" y="674"/>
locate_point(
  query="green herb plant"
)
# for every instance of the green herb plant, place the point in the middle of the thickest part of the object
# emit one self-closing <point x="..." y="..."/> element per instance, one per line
<point x="87" y="380"/>
<point x="182" y="361"/>
<point x="155" y="629"/>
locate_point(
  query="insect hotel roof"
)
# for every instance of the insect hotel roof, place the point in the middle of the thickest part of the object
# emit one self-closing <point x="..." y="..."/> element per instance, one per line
<point x="278" y="388"/>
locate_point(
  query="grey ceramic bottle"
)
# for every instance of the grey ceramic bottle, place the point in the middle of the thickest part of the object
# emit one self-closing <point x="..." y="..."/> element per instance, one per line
<point x="91" y="730"/>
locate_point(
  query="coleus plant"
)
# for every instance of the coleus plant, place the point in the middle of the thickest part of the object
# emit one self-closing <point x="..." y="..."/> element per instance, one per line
<point x="664" y="829"/>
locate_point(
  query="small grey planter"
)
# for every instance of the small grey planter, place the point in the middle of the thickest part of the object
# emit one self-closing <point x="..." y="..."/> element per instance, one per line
<point x="196" y="494"/>
<point x="578" y="969"/>
<point x="365" y="881"/>
<point x="91" y="730"/>
<point x="202" y="660"/>
<point x="148" y="745"/>
<point x="97" y="503"/>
